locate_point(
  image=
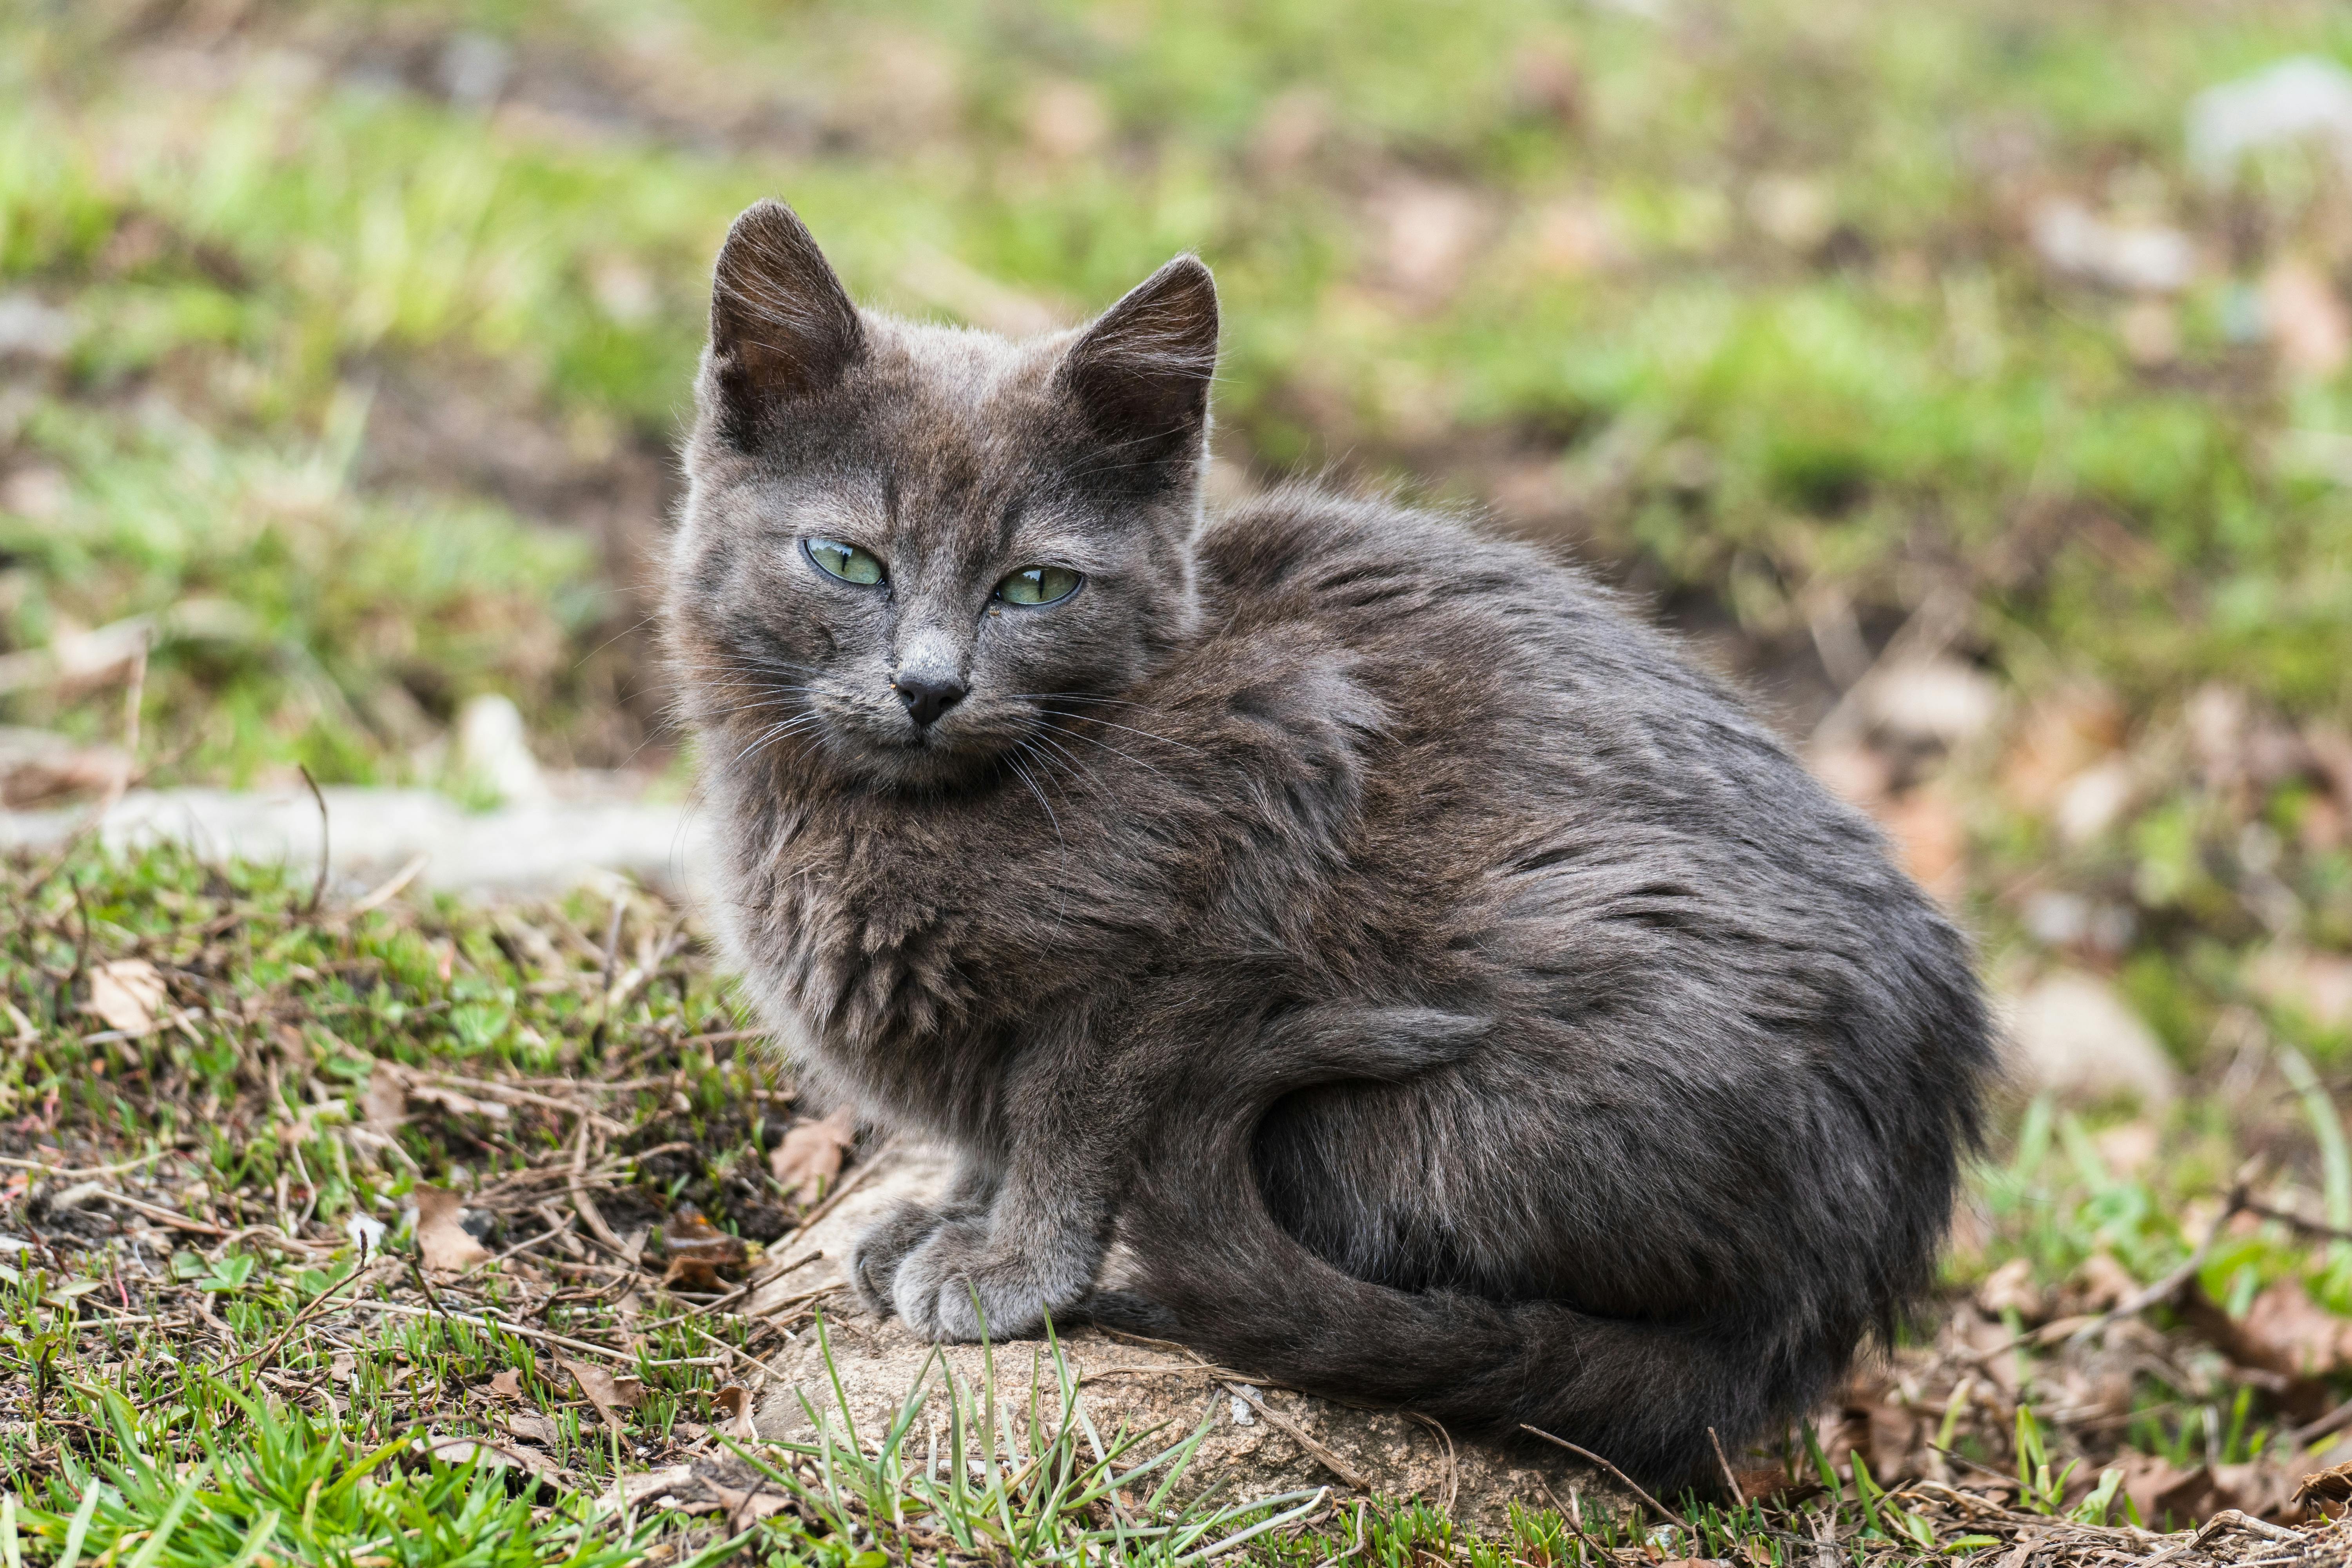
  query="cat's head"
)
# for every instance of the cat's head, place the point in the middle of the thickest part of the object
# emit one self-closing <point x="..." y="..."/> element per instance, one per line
<point x="905" y="548"/>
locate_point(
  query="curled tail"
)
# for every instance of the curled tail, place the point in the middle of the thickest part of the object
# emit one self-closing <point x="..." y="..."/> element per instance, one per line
<point x="1216" y="1271"/>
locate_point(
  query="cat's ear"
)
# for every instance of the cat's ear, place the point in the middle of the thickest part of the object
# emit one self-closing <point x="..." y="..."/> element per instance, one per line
<point x="1140" y="373"/>
<point x="782" y="326"/>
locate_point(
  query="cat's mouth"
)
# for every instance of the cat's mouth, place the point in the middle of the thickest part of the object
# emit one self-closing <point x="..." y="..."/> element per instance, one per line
<point x="891" y="749"/>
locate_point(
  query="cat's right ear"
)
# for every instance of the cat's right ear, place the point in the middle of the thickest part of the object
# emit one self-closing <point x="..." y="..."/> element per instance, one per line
<point x="782" y="326"/>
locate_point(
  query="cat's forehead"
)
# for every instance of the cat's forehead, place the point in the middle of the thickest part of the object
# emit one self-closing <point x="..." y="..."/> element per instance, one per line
<point x="960" y="377"/>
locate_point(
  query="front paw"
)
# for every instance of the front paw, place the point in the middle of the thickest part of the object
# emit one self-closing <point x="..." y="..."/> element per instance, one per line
<point x="881" y="1251"/>
<point x="958" y="1284"/>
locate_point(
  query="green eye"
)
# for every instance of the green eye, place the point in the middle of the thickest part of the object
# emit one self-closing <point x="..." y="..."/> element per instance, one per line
<point x="846" y="562"/>
<point x="1038" y="586"/>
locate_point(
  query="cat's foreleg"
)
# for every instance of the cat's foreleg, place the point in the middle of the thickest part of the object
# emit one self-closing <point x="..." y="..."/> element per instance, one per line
<point x="1035" y="1250"/>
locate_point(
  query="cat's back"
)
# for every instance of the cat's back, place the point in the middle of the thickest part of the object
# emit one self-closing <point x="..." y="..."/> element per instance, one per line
<point x="1486" y="656"/>
<point x="1566" y="756"/>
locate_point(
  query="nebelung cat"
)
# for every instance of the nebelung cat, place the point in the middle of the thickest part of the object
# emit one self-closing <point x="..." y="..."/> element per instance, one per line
<point x="1450" y="998"/>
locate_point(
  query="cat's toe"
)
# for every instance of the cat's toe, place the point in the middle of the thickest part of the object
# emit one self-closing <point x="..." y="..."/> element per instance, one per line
<point x="880" y="1253"/>
<point x="956" y="1286"/>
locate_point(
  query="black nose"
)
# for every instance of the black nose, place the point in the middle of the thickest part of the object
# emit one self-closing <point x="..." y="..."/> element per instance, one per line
<point x="926" y="698"/>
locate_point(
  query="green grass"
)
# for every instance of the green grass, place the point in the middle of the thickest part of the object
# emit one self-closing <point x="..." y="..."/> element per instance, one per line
<point x="1738" y="303"/>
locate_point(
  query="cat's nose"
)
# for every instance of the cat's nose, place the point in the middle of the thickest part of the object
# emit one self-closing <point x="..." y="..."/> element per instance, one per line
<point x="928" y="697"/>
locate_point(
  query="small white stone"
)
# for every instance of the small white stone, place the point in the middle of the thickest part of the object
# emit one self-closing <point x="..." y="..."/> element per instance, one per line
<point x="2073" y="1035"/>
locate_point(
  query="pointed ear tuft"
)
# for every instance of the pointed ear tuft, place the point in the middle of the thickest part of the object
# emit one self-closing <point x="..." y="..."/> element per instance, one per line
<point x="1141" y="373"/>
<point x="782" y="326"/>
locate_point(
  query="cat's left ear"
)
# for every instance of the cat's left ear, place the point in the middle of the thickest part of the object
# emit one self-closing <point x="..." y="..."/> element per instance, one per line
<point x="1140" y="373"/>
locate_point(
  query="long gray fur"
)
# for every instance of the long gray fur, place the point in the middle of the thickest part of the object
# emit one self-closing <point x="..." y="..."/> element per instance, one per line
<point x="1450" y="996"/>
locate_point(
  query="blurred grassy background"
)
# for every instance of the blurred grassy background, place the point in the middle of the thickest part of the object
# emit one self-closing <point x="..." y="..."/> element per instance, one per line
<point x="1894" y="351"/>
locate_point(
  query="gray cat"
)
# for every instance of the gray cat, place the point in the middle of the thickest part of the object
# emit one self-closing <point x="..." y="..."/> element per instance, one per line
<point x="1450" y="997"/>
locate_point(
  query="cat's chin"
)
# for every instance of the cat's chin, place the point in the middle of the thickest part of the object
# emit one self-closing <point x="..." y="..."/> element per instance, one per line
<point x="921" y="766"/>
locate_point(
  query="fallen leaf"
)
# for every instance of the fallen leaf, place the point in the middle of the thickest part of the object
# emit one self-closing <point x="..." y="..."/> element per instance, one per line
<point x="697" y="1250"/>
<point x="507" y="1385"/>
<point x="2099" y="1284"/>
<point x="2010" y="1287"/>
<point x="608" y="1393"/>
<point x="1856" y="775"/>
<point x="2326" y="1492"/>
<point x="1930" y="702"/>
<point x="126" y="994"/>
<point x="2128" y="1147"/>
<point x="2261" y="1488"/>
<point x="2285" y="1331"/>
<point x="2163" y="1492"/>
<point x="530" y="1427"/>
<point x="489" y="1456"/>
<point x="446" y="1245"/>
<point x="747" y="1507"/>
<point x="384" y="1104"/>
<point x="627" y="1492"/>
<point x="37" y="767"/>
<point x="810" y="1156"/>
<point x="736" y="1400"/>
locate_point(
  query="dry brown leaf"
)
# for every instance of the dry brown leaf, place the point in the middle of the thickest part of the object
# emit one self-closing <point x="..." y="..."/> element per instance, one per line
<point x="747" y="1507"/>
<point x="2285" y="1331"/>
<point x="446" y="1245"/>
<point x="384" y="1105"/>
<point x="608" y="1393"/>
<point x="2010" y="1287"/>
<point x="489" y="1456"/>
<point x="127" y="993"/>
<point x="697" y="1250"/>
<point x="627" y="1492"/>
<point x="507" y="1385"/>
<point x="37" y="767"/>
<point x="2326" y="1492"/>
<point x="2099" y="1284"/>
<point x="530" y="1427"/>
<point x="736" y="1401"/>
<point x="810" y="1157"/>
<point x="2158" y="1489"/>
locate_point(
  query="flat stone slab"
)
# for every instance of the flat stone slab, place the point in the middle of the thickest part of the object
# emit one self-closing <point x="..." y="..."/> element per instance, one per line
<point x="1260" y="1440"/>
<point x="543" y="847"/>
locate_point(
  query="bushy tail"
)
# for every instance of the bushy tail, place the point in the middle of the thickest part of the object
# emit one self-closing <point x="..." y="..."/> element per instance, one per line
<point x="1216" y="1272"/>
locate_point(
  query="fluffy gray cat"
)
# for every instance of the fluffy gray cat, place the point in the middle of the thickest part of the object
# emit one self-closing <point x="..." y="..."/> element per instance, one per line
<point x="1450" y="998"/>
